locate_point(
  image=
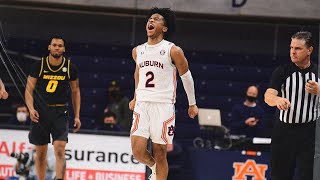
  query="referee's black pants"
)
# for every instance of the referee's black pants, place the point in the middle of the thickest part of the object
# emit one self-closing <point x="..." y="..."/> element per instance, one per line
<point x="292" y="147"/>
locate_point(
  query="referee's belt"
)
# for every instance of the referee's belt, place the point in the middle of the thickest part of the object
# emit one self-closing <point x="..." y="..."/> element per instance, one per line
<point x="57" y="105"/>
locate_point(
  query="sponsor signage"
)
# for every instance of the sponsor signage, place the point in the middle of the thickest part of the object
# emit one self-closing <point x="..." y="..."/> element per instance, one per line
<point x="96" y="157"/>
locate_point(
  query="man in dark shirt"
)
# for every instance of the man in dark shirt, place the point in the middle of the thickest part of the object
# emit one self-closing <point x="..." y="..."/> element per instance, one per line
<point x="247" y="116"/>
<point x="294" y="90"/>
<point x="52" y="78"/>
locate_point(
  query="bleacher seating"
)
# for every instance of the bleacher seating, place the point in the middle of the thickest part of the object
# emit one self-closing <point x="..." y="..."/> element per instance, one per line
<point x="220" y="81"/>
<point x="220" y="78"/>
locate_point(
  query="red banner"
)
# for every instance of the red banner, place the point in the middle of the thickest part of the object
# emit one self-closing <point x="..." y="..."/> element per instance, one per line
<point x="83" y="174"/>
<point x="6" y="171"/>
<point x="87" y="174"/>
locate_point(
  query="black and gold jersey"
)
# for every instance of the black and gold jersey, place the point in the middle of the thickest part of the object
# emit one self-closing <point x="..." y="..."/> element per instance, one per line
<point x="53" y="81"/>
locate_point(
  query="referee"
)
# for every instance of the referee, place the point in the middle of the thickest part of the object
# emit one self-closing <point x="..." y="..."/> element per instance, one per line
<point x="293" y="89"/>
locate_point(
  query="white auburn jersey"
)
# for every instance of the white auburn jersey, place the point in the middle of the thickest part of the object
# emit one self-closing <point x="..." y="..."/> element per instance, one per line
<point x="157" y="73"/>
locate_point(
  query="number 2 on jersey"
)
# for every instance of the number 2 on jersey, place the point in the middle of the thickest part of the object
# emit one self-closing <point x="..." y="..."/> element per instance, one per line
<point x="150" y="77"/>
<point x="52" y="86"/>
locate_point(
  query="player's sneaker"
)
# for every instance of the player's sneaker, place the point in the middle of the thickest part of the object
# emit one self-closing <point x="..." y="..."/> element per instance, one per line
<point x="153" y="176"/>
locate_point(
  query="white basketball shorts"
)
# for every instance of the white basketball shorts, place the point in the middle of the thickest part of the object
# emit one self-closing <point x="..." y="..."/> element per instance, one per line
<point x="155" y="121"/>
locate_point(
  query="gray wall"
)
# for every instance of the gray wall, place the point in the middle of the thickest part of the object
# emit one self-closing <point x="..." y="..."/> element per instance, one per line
<point x="295" y="9"/>
<point x="192" y="33"/>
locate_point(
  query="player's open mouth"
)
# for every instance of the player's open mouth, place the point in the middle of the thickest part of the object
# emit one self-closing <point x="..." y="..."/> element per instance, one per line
<point x="150" y="27"/>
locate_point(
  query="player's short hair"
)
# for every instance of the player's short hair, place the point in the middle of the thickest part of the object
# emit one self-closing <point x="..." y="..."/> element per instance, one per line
<point x="57" y="37"/>
<point x="304" y="35"/>
<point x="169" y="19"/>
<point x="21" y="106"/>
<point x="110" y="114"/>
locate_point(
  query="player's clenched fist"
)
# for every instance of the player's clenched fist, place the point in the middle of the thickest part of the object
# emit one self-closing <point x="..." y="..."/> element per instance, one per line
<point x="193" y="111"/>
<point x="4" y="95"/>
<point x="132" y="103"/>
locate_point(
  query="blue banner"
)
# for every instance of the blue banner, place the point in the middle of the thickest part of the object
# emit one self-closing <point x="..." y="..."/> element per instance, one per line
<point x="230" y="165"/>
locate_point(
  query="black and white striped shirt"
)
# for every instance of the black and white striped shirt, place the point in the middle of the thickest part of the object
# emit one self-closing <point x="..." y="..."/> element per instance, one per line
<point x="289" y="80"/>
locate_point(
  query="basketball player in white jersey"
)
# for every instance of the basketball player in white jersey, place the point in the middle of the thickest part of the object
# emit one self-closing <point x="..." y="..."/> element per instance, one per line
<point x="157" y="61"/>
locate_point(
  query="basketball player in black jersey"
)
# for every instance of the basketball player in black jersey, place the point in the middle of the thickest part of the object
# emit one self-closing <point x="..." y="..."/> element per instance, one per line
<point x="46" y="97"/>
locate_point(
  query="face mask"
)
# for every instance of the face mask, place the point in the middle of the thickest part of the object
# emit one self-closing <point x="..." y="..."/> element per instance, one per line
<point x="22" y="116"/>
<point x="251" y="98"/>
<point x="114" y="94"/>
<point x="108" y="126"/>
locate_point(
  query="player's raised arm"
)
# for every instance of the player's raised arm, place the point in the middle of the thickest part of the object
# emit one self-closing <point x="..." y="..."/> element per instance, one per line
<point x="181" y="63"/>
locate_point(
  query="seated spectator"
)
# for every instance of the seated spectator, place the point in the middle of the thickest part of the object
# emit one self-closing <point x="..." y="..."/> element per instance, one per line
<point x="119" y="104"/>
<point x="22" y="116"/>
<point x="109" y="122"/>
<point x="247" y="117"/>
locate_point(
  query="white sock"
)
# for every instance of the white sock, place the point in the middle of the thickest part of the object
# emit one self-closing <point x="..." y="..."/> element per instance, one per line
<point x="153" y="168"/>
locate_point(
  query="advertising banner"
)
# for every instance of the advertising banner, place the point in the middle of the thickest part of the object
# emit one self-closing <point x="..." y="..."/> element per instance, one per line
<point x="96" y="157"/>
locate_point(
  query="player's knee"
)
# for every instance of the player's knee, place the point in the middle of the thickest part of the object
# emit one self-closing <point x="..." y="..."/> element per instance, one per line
<point x="41" y="156"/>
<point x="160" y="155"/>
<point x="60" y="152"/>
<point x="137" y="153"/>
<point x="160" y="152"/>
<point x="60" y="155"/>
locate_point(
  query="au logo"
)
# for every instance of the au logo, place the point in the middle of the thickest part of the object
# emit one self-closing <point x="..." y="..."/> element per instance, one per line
<point x="249" y="168"/>
<point x="171" y="130"/>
